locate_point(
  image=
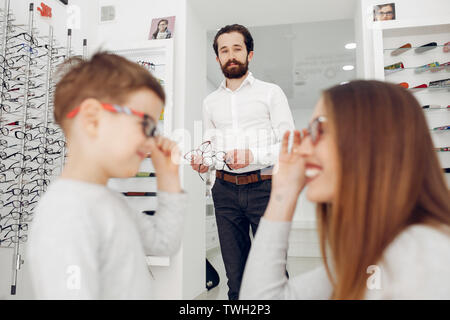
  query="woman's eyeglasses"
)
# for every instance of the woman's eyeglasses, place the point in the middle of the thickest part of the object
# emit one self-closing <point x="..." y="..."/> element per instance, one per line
<point x="315" y="129"/>
<point x="148" y="125"/>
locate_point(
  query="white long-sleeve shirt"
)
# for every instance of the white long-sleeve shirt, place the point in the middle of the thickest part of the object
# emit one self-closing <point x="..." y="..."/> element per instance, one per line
<point x="86" y="243"/>
<point x="255" y="117"/>
<point x="416" y="265"/>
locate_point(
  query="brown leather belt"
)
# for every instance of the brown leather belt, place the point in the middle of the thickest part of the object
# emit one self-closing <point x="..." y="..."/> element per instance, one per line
<point x="244" y="178"/>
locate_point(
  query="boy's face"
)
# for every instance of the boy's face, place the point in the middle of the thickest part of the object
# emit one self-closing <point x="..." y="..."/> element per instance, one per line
<point x="121" y="142"/>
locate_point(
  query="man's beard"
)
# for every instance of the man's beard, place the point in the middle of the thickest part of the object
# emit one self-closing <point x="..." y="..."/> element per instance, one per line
<point x="237" y="71"/>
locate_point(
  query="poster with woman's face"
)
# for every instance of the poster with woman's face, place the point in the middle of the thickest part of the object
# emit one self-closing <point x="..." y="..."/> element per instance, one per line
<point x="162" y="28"/>
<point x="384" y="12"/>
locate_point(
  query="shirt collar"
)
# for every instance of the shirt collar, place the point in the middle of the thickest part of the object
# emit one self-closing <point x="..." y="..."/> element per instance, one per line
<point x="250" y="79"/>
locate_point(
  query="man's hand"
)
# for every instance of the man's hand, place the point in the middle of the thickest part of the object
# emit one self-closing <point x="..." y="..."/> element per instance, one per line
<point x="239" y="158"/>
<point x="196" y="164"/>
<point x="165" y="158"/>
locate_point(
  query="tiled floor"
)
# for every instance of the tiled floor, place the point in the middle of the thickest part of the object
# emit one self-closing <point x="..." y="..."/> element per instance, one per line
<point x="296" y="266"/>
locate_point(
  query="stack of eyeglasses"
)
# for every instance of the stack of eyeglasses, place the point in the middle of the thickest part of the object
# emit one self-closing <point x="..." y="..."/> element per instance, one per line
<point x="32" y="147"/>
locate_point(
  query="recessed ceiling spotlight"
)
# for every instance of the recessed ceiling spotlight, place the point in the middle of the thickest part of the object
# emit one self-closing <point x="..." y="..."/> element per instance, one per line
<point x="348" y="68"/>
<point x="350" y="46"/>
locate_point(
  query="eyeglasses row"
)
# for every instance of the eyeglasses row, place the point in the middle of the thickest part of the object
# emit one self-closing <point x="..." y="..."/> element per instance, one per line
<point x="27" y="193"/>
<point x="13" y="239"/>
<point x="14" y="215"/>
<point x="20" y="135"/>
<point x="16" y="125"/>
<point x="22" y="32"/>
<point x="13" y="228"/>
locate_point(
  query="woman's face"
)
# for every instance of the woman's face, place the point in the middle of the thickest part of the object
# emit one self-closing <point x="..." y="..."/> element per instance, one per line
<point x="162" y="26"/>
<point x="320" y="161"/>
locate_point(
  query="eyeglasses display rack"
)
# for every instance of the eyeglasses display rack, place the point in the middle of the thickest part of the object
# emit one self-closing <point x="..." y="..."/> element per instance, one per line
<point x="416" y="56"/>
<point x="32" y="146"/>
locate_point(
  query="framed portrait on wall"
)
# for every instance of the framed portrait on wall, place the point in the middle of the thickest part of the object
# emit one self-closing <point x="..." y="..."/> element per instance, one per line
<point x="162" y="28"/>
<point x="383" y="12"/>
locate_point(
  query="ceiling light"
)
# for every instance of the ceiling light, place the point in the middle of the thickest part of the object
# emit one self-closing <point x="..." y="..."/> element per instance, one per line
<point x="348" y="68"/>
<point x="350" y="46"/>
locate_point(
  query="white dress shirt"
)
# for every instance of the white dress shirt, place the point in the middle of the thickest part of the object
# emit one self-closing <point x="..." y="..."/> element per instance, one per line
<point x="255" y="117"/>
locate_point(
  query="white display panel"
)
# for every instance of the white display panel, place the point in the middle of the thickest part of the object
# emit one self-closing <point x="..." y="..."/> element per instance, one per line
<point x="391" y="37"/>
<point x="157" y="57"/>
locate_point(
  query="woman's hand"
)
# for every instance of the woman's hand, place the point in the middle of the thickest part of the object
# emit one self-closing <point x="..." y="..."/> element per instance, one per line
<point x="165" y="158"/>
<point x="288" y="180"/>
<point x="289" y="172"/>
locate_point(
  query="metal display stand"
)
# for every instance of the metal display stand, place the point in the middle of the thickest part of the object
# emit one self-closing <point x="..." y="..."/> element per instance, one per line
<point x="32" y="146"/>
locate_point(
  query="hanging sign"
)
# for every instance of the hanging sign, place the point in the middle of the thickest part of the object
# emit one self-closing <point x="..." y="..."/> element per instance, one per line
<point x="45" y="10"/>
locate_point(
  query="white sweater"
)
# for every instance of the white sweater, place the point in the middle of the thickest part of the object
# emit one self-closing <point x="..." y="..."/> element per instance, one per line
<point x="86" y="243"/>
<point x="416" y="265"/>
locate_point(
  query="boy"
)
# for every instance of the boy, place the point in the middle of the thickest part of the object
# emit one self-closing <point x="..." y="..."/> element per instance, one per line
<point x="85" y="242"/>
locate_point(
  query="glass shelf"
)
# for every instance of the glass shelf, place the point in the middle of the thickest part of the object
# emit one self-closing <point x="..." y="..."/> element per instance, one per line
<point x="430" y="90"/>
<point x="435" y="109"/>
<point x="432" y="70"/>
<point x="412" y="48"/>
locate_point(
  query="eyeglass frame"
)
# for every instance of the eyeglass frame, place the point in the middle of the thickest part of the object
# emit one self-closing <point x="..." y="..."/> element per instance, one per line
<point x="148" y="120"/>
<point x="312" y="132"/>
<point x="209" y="144"/>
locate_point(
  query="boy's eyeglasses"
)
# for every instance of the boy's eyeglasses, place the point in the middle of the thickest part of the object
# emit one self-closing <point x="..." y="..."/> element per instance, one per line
<point x="315" y="129"/>
<point x="148" y="125"/>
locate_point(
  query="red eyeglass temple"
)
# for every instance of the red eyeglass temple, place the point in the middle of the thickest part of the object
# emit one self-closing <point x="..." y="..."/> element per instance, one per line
<point x="106" y="106"/>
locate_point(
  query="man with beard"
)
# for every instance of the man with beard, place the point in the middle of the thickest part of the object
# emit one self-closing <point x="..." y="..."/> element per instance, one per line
<point x="244" y="118"/>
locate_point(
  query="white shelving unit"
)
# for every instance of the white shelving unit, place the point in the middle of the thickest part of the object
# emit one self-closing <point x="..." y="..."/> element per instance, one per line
<point x="160" y="54"/>
<point x="390" y="36"/>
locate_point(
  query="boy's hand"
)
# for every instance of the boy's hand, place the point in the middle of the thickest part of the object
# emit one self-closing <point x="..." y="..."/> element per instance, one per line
<point x="166" y="158"/>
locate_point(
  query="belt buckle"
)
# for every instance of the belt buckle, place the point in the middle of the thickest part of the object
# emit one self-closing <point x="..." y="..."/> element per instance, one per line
<point x="237" y="181"/>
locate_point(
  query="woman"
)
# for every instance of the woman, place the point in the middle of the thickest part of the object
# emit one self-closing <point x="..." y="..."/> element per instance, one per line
<point x="161" y="31"/>
<point x="383" y="207"/>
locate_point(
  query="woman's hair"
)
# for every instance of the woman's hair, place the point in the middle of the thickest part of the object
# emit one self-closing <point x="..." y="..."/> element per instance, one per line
<point x="155" y="34"/>
<point x="389" y="178"/>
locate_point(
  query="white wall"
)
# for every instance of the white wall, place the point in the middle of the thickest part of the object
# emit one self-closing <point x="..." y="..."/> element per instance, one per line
<point x="194" y="272"/>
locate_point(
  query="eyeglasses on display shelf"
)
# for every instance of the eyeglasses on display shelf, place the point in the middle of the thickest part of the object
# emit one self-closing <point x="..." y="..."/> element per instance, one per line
<point x="32" y="146"/>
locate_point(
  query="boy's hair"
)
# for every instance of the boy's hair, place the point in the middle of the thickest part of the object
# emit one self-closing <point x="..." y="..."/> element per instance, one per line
<point x="106" y="77"/>
<point x="234" y="28"/>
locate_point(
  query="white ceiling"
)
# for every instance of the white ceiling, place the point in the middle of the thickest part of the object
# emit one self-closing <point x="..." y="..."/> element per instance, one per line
<point x="217" y="13"/>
